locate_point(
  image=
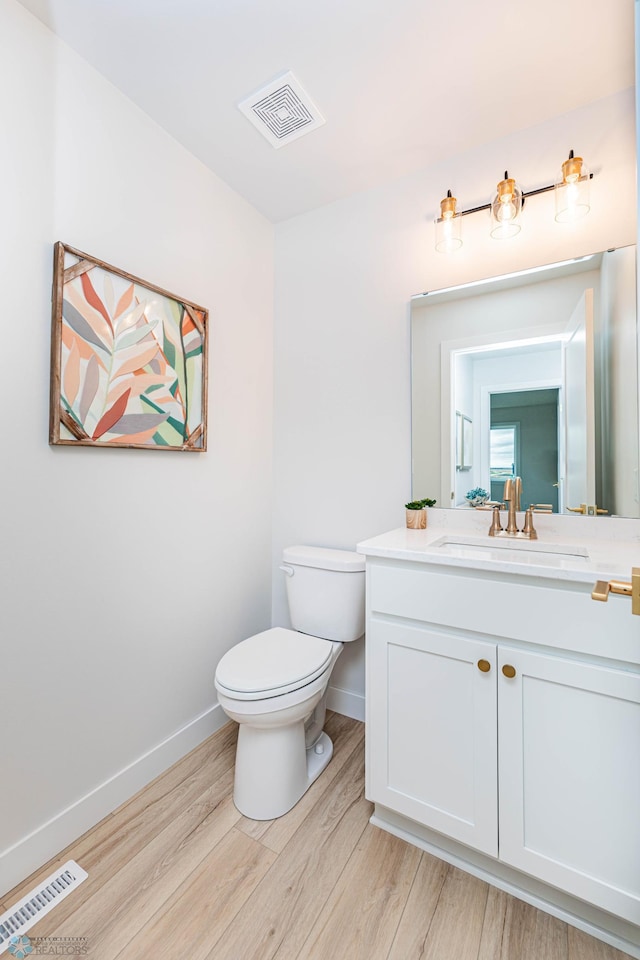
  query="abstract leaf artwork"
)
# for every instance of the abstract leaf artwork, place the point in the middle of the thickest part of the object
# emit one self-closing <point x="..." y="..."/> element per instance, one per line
<point x="129" y="360"/>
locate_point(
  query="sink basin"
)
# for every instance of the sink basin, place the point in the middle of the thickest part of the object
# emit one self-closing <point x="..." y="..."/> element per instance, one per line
<point x="511" y="551"/>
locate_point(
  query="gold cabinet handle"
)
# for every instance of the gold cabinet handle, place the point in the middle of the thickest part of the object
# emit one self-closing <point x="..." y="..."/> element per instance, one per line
<point x="509" y="671"/>
<point x="484" y="666"/>
<point x="603" y="588"/>
<point x="590" y="510"/>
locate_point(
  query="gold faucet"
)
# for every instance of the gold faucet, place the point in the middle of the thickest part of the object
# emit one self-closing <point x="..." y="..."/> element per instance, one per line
<point x="512" y="494"/>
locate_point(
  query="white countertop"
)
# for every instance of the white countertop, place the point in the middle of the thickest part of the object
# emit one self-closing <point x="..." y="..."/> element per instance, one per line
<point x="586" y="555"/>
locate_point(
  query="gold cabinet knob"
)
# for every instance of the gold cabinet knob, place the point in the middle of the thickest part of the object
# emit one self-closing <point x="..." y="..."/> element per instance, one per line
<point x="484" y="666"/>
<point x="509" y="671"/>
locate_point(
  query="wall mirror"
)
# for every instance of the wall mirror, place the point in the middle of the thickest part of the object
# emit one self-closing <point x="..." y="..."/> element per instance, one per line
<point x="544" y="365"/>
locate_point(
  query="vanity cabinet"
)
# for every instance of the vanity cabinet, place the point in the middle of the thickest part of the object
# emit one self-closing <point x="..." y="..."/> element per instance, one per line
<point x="493" y="721"/>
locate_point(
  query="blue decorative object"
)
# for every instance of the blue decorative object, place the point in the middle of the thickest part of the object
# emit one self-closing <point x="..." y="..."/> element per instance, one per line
<point x="477" y="497"/>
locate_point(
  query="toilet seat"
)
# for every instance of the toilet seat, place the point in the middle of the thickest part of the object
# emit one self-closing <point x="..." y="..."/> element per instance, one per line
<point x="272" y="663"/>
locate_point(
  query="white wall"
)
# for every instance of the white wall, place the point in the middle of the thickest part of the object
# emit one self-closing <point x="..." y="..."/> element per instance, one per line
<point x="344" y="277"/>
<point x="126" y="574"/>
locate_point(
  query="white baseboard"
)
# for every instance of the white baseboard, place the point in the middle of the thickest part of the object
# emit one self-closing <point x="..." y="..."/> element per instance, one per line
<point x="345" y="702"/>
<point x="37" y="848"/>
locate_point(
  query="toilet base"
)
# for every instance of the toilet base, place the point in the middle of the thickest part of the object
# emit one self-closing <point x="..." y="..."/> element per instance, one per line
<point x="318" y="757"/>
<point x="274" y="770"/>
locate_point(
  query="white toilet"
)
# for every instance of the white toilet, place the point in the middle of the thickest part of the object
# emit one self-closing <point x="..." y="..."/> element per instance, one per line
<point x="274" y="684"/>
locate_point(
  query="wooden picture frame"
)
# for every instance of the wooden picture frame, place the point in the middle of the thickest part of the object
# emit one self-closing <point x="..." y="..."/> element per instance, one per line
<point x="128" y="360"/>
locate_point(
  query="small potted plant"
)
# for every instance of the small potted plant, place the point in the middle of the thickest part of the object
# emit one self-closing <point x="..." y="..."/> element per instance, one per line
<point x="477" y="497"/>
<point x="416" y="512"/>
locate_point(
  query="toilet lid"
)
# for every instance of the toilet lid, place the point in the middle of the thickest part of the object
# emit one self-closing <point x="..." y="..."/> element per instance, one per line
<point x="272" y="662"/>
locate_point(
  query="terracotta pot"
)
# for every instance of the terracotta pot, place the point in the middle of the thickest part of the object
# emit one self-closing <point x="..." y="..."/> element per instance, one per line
<point x="417" y="519"/>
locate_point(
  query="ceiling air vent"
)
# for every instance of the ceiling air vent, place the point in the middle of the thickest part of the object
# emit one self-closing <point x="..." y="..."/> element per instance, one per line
<point x="282" y="111"/>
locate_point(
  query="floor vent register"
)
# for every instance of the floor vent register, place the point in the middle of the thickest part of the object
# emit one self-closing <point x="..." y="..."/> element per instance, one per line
<point x="26" y="912"/>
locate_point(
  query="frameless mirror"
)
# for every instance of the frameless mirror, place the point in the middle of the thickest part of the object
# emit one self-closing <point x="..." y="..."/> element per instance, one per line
<point x="534" y="375"/>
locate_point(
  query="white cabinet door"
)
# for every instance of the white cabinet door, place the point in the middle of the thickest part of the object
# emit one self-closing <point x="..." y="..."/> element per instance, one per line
<point x="431" y="730"/>
<point x="569" y="774"/>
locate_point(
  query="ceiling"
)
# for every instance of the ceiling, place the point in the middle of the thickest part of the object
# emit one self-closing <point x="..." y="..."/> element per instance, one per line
<point x="401" y="83"/>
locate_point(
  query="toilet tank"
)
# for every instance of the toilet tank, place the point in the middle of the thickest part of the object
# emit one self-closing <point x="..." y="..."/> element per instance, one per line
<point x="325" y="590"/>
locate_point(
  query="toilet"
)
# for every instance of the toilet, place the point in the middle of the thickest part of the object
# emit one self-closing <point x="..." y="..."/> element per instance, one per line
<point x="274" y="684"/>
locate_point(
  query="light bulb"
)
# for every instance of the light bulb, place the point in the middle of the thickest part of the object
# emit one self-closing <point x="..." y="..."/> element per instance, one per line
<point x="571" y="193"/>
<point x="505" y="209"/>
<point x="448" y="226"/>
<point x="572" y="190"/>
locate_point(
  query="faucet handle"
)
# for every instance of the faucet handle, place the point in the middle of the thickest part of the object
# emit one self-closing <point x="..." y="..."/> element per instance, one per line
<point x="496" y="526"/>
<point x="529" y="530"/>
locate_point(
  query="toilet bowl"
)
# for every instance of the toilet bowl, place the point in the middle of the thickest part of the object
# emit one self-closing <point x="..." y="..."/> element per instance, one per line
<point x="274" y="684"/>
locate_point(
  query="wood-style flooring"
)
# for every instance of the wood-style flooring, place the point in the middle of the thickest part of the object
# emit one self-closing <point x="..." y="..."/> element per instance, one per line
<point x="177" y="872"/>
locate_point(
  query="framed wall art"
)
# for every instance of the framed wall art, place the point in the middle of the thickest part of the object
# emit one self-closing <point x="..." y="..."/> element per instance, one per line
<point x="128" y="360"/>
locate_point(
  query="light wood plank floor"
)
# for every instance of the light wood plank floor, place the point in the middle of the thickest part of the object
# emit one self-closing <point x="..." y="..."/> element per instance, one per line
<point x="177" y="872"/>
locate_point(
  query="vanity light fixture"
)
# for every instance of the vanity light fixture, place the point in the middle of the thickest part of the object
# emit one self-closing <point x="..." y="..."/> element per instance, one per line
<point x="572" y="202"/>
